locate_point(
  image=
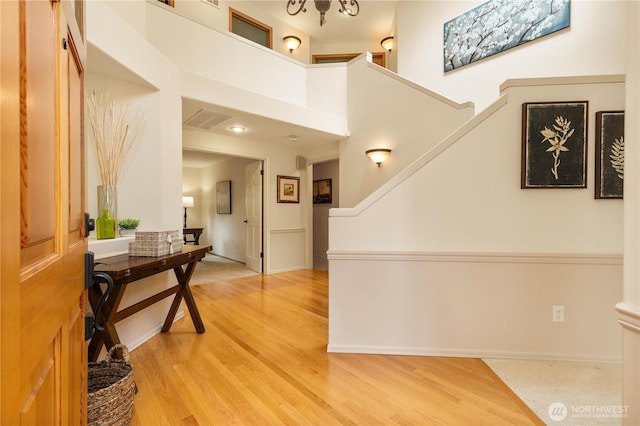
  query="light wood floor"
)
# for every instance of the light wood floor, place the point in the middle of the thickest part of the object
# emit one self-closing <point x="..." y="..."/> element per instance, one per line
<point x="263" y="361"/>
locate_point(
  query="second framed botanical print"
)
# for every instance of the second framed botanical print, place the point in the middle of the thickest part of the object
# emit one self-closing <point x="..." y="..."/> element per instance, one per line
<point x="609" y="154"/>
<point x="554" y="144"/>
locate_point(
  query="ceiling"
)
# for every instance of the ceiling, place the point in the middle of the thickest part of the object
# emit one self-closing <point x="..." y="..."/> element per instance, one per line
<point x="374" y="22"/>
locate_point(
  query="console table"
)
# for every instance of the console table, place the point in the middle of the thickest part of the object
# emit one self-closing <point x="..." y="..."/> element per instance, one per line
<point x="125" y="270"/>
<point x="192" y="231"/>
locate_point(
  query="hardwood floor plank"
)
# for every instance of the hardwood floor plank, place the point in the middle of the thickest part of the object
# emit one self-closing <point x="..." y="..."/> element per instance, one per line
<point x="263" y="361"/>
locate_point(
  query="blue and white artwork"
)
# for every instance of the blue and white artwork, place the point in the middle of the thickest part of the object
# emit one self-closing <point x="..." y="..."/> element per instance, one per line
<point x="498" y="25"/>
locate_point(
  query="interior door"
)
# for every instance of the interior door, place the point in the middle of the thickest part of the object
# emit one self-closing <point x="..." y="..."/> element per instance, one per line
<point x="42" y="244"/>
<point x="253" y="209"/>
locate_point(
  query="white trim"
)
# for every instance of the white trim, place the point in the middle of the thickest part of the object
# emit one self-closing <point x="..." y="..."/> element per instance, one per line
<point x="430" y="93"/>
<point x="140" y="340"/>
<point x="477" y="257"/>
<point x="629" y="316"/>
<point x="466" y="353"/>
<point x="562" y="81"/>
<point x="287" y="230"/>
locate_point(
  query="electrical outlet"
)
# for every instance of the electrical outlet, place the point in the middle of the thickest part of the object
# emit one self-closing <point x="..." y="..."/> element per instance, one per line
<point x="557" y="313"/>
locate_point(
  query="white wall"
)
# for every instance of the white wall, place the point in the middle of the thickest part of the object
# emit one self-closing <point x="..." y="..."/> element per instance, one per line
<point x="150" y="187"/>
<point x="388" y="111"/>
<point x="593" y="45"/>
<point x="457" y="239"/>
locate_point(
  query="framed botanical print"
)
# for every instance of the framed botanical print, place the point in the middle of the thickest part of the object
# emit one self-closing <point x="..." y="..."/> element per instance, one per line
<point x="609" y="154"/>
<point x="554" y="144"/>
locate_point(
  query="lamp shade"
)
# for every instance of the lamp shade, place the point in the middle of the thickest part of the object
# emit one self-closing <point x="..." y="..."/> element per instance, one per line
<point x="378" y="155"/>
<point x="292" y="42"/>
<point x="387" y="43"/>
<point x="187" y="201"/>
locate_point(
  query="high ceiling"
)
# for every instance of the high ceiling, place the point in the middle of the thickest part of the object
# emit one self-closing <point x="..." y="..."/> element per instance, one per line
<point x="374" y="22"/>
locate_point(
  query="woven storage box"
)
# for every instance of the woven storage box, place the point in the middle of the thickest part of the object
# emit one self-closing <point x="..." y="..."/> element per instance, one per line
<point x="111" y="390"/>
<point x="155" y="243"/>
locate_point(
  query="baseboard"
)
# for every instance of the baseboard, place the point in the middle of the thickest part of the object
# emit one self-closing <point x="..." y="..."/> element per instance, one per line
<point x="466" y="353"/>
<point x="149" y="334"/>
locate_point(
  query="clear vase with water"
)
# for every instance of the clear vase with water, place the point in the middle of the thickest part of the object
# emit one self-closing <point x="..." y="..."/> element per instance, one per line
<point x="107" y="209"/>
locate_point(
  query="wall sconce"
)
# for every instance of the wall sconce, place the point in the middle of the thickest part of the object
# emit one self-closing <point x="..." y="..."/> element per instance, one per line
<point x="387" y="43"/>
<point x="292" y="42"/>
<point x="186" y="202"/>
<point x="378" y="155"/>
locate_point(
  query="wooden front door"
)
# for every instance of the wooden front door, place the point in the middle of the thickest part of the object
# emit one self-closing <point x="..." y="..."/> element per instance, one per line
<point x="42" y="245"/>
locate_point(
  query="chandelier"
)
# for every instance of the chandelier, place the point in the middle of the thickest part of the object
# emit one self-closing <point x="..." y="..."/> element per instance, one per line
<point x="296" y="6"/>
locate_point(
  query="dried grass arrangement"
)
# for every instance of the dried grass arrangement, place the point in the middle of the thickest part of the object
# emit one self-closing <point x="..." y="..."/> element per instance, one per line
<point x="114" y="133"/>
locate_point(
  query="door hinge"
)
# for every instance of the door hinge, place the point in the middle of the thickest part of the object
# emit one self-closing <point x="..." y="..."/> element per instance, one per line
<point x="88" y="325"/>
<point x="65" y="44"/>
<point x="89" y="225"/>
<point x="88" y="269"/>
<point x="261" y="255"/>
<point x="261" y="172"/>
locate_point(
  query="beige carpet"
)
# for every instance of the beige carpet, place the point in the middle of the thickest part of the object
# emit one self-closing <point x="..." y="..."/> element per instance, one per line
<point x="565" y="393"/>
<point x="215" y="268"/>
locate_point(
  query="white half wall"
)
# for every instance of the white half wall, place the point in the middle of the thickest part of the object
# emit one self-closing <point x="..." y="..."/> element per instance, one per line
<point x="475" y="305"/>
<point x="388" y="111"/>
<point x="452" y="257"/>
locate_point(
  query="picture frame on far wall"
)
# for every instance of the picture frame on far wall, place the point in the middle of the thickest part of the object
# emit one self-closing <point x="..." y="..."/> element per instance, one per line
<point x="322" y="191"/>
<point x="554" y="144"/>
<point x="223" y="197"/>
<point x="609" y="154"/>
<point x="288" y="189"/>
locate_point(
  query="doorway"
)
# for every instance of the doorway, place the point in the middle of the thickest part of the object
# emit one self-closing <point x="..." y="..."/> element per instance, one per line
<point x="326" y="196"/>
<point x="226" y="230"/>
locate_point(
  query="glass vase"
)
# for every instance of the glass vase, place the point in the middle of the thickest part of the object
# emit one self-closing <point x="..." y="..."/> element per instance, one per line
<point x="107" y="209"/>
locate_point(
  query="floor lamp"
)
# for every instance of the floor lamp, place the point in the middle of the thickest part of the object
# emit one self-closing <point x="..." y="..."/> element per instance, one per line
<point x="186" y="202"/>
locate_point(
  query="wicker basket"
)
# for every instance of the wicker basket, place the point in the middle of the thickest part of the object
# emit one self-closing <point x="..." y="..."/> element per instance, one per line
<point x="111" y="390"/>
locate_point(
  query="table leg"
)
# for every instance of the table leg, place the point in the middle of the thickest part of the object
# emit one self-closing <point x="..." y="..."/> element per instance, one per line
<point x="183" y="277"/>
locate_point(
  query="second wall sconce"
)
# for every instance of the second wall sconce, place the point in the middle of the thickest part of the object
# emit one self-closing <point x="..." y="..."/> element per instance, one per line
<point x="378" y="155"/>
<point x="387" y="43"/>
<point x="292" y="42"/>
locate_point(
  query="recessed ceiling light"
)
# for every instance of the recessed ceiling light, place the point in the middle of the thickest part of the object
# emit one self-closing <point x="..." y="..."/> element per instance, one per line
<point x="237" y="129"/>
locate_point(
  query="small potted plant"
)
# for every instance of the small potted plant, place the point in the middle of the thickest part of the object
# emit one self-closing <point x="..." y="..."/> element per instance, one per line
<point x="128" y="226"/>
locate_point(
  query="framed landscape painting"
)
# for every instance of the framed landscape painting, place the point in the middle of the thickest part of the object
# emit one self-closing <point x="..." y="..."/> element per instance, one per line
<point x="554" y="144"/>
<point x="609" y="154"/>
<point x="288" y="189"/>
